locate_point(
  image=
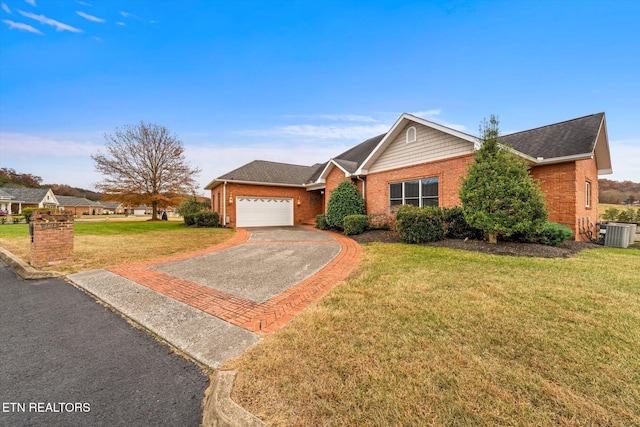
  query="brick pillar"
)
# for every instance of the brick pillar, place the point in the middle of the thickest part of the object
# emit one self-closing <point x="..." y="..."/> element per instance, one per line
<point x="51" y="237"/>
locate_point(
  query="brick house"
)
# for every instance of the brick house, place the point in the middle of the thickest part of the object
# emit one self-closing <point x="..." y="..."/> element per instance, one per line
<point x="80" y="205"/>
<point x="422" y="163"/>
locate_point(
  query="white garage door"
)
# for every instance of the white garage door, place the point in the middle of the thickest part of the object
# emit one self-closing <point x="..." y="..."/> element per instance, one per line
<point x="263" y="211"/>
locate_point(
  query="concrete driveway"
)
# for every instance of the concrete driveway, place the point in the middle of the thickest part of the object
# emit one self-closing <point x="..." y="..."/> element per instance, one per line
<point x="212" y="304"/>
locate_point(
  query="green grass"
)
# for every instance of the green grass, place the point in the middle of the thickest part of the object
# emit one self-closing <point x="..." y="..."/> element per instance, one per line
<point x="103" y="244"/>
<point x="433" y="336"/>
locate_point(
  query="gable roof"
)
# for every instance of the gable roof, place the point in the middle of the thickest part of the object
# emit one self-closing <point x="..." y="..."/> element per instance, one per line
<point x="564" y="139"/>
<point x="5" y="195"/>
<point x="395" y="130"/>
<point x="581" y="138"/>
<point x="76" y="201"/>
<point x="272" y="173"/>
<point x="27" y="195"/>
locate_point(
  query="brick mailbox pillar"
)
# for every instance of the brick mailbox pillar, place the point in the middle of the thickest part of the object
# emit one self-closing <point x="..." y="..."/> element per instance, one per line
<point x="51" y="237"/>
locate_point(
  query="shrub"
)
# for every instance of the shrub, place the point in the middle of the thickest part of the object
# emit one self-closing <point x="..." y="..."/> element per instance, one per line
<point x="189" y="219"/>
<point x="456" y="225"/>
<point x="553" y="234"/>
<point x="355" y="224"/>
<point x="638" y="216"/>
<point x="191" y="206"/>
<point x="626" y="216"/>
<point x="207" y="219"/>
<point x="345" y="200"/>
<point x="382" y="222"/>
<point x="321" y="222"/>
<point x="27" y="212"/>
<point x="610" y="214"/>
<point x="419" y="225"/>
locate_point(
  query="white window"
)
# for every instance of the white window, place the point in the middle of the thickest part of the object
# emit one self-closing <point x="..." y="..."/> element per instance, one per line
<point x="411" y="134"/>
<point x="419" y="192"/>
<point x="587" y="194"/>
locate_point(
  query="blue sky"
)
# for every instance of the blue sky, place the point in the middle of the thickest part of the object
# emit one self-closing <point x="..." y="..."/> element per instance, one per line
<point x="302" y="81"/>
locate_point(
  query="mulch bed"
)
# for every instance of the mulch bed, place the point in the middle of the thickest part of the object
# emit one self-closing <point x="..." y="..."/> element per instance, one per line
<point x="565" y="250"/>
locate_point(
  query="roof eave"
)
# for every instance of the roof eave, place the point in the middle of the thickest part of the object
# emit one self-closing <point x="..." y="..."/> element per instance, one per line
<point x="217" y="182"/>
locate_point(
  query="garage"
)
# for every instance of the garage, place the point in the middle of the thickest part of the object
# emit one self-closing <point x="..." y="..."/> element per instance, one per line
<point x="263" y="211"/>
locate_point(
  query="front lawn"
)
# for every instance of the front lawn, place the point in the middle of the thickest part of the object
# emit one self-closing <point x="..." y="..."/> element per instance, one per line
<point x="433" y="336"/>
<point x="103" y="244"/>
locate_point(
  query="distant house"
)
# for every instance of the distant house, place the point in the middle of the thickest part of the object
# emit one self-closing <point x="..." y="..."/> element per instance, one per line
<point x="113" y="207"/>
<point x="21" y="198"/>
<point x="421" y="163"/>
<point x="80" y="205"/>
<point x="142" y="210"/>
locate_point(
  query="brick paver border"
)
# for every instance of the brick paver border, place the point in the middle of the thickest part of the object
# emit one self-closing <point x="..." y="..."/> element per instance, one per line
<point x="256" y="317"/>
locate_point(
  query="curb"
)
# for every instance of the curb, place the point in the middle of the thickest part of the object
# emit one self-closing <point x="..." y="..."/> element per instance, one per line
<point x="23" y="269"/>
<point x="220" y="411"/>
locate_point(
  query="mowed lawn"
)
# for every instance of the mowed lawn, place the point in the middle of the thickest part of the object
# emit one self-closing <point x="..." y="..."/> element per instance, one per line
<point x="103" y="244"/>
<point x="432" y="336"/>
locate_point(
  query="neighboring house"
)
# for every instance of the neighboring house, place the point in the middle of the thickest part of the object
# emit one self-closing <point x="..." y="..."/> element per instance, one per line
<point x="5" y="202"/>
<point x="80" y="205"/>
<point x="22" y="198"/>
<point x="422" y="163"/>
<point x="142" y="210"/>
<point x="112" y="207"/>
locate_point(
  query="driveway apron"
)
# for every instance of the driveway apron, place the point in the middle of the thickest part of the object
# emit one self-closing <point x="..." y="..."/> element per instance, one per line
<point x="211" y="303"/>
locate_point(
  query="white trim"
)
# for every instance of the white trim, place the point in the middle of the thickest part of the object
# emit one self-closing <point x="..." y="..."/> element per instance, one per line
<point x="269" y="184"/>
<point x="327" y="169"/>
<point x="395" y="130"/>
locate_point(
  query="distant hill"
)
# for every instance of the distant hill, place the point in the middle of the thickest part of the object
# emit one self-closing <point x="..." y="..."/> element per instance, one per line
<point x="616" y="192"/>
<point x="11" y="178"/>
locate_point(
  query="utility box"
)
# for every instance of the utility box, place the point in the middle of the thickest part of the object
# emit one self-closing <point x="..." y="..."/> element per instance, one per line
<point x="618" y="235"/>
<point x="51" y="233"/>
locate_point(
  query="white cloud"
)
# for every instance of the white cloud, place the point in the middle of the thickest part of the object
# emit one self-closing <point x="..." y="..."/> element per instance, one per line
<point x="31" y="2"/>
<point x="6" y="8"/>
<point x="360" y="132"/>
<point x="333" y="117"/>
<point x="90" y="17"/>
<point x="20" y="144"/>
<point x="48" y="21"/>
<point x="120" y="23"/>
<point x="84" y="3"/>
<point x="125" y="14"/>
<point x="624" y="160"/>
<point x="21" y="26"/>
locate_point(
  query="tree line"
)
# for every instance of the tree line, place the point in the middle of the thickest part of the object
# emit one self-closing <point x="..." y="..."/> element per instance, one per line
<point x="10" y="178"/>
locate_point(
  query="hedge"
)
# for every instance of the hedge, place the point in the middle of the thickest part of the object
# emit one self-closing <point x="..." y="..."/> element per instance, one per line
<point x="355" y="224"/>
<point x="419" y="225"/>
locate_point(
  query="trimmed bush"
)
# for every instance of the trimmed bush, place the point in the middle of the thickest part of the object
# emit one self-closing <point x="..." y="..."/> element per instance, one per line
<point x="419" y="225"/>
<point x="321" y="222"/>
<point x="207" y="219"/>
<point x="26" y="212"/>
<point x="553" y="234"/>
<point x="355" y="224"/>
<point x="456" y="225"/>
<point x="382" y="222"/>
<point x="345" y="200"/>
<point x="189" y="219"/>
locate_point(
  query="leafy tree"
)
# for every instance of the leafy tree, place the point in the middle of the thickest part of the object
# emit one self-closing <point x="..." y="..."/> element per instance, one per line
<point x="498" y="195"/>
<point x="191" y="206"/>
<point x="345" y="200"/>
<point x="145" y="164"/>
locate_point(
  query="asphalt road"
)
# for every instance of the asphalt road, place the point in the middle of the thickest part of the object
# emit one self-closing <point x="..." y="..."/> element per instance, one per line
<point x="65" y="360"/>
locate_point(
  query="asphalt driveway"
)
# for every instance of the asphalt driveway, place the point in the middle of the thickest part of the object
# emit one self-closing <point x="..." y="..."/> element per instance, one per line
<point x="65" y="360"/>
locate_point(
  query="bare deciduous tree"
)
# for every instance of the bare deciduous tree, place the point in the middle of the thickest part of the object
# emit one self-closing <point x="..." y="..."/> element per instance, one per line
<point x="145" y="164"/>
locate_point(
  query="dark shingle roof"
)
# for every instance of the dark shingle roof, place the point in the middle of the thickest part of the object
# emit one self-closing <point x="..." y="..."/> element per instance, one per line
<point x="271" y="172"/>
<point x="110" y="205"/>
<point x="564" y="139"/>
<point x="5" y="195"/>
<point x="76" y="201"/>
<point x="26" y="195"/>
<point x="353" y="158"/>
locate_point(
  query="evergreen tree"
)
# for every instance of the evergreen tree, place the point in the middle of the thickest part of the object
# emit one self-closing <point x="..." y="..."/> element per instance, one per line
<point x="345" y="200"/>
<point x="498" y="195"/>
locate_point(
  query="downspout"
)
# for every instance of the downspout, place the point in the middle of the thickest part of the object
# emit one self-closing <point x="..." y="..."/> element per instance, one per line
<point x="364" y="190"/>
<point x="224" y="204"/>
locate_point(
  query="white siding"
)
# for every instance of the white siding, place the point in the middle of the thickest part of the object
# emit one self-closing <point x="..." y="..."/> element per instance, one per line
<point x="430" y="145"/>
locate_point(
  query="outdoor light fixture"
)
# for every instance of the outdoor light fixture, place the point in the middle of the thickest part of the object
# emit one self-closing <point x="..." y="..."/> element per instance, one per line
<point x="230" y="199"/>
<point x="298" y="200"/>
